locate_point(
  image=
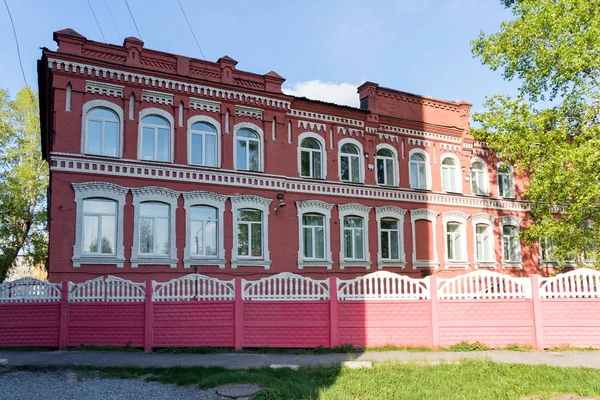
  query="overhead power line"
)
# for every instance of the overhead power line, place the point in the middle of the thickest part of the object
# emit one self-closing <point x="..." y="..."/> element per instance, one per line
<point x="96" y="19"/>
<point x="133" y="19"/>
<point x="113" y="20"/>
<point x="191" y="30"/>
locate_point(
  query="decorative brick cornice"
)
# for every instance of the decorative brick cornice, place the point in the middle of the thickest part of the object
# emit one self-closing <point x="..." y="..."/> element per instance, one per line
<point x="510" y="220"/>
<point x="324" y="117"/>
<point x="383" y="210"/>
<point x="312" y="125"/>
<point x="205" y="105"/>
<point x="99" y="187"/>
<point x="250" y="199"/>
<point x="456" y="216"/>
<point x="350" y="131"/>
<point x="203" y="195"/>
<point x="314" y="204"/>
<point x="354" y="207"/>
<point x="251" y="112"/>
<point x="422" y="134"/>
<point x="423" y="213"/>
<point x="106" y="89"/>
<point x="483" y="218"/>
<point x="153" y="96"/>
<point x="154" y="191"/>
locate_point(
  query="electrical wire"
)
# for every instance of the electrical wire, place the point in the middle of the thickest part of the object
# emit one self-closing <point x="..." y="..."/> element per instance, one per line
<point x="96" y="19"/>
<point x="113" y="20"/>
<point x="19" y="54"/>
<point x="191" y="30"/>
<point x="133" y="19"/>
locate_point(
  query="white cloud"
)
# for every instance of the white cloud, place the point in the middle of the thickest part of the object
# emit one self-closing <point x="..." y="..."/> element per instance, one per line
<point x="338" y="93"/>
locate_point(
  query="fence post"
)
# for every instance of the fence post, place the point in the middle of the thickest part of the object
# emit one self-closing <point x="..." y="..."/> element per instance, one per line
<point x="536" y="309"/>
<point x="63" y="333"/>
<point x="148" y="317"/>
<point x="334" y="313"/>
<point x="434" y="302"/>
<point x="239" y="315"/>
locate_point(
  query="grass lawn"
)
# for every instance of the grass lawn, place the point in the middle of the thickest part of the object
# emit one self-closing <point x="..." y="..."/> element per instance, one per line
<point x="471" y="379"/>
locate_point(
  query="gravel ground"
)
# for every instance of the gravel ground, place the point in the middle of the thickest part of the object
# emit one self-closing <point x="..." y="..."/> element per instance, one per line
<point x="68" y="385"/>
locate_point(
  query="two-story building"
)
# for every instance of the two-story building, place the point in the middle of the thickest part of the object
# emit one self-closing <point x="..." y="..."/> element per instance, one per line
<point x="162" y="165"/>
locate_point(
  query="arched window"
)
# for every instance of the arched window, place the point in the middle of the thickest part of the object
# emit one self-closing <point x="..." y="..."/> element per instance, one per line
<point x="102" y="132"/>
<point x="99" y="226"/>
<point x="204" y="231"/>
<point x="350" y="163"/>
<point x="311" y="159"/>
<point x="250" y="233"/>
<point x="203" y="144"/>
<point x="154" y="228"/>
<point x="313" y="236"/>
<point x="418" y="171"/>
<point x="156" y="138"/>
<point x="450" y="175"/>
<point x="506" y="186"/>
<point x="247" y="150"/>
<point x="386" y="167"/>
<point x="478" y="179"/>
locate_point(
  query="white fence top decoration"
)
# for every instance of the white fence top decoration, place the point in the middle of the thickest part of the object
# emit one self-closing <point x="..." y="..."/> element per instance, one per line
<point x="383" y="285"/>
<point x="579" y="283"/>
<point x="285" y="286"/>
<point x="484" y="285"/>
<point x="193" y="287"/>
<point x="109" y="289"/>
<point x="29" y="290"/>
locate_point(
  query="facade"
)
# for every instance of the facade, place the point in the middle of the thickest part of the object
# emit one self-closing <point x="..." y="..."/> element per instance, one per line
<point x="162" y="165"/>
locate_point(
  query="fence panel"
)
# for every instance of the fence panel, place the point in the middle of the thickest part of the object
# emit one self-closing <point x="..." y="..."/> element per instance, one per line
<point x="193" y="287"/>
<point x="579" y="283"/>
<point x="484" y="285"/>
<point x="286" y="286"/>
<point x="383" y="285"/>
<point x="111" y="289"/>
<point x="29" y="290"/>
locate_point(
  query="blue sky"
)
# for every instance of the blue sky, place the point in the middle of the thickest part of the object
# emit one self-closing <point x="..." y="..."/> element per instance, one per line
<point x="323" y="48"/>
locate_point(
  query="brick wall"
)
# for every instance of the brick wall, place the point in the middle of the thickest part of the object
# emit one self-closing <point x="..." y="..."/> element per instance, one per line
<point x="571" y="322"/>
<point x="29" y="324"/>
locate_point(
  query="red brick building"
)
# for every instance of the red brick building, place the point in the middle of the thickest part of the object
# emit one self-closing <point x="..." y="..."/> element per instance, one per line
<point x="162" y="165"/>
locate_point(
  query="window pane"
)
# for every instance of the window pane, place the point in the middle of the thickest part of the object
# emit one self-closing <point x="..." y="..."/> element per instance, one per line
<point x="305" y="163"/>
<point x="243" y="240"/>
<point x="162" y="235"/>
<point x="241" y="151"/>
<point x="312" y="220"/>
<point x="385" y="245"/>
<point x="210" y="151"/>
<point x="204" y="127"/>
<point x="196" y="149"/>
<point x="90" y="234"/>
<point x="380" y="172"/>
<point x="253" y="148"/>
<point x="111" y="136"/>
<point x="389" y="224"/>
<point x="149" y="209"/>
<point x="196" y="233"/>
<point x="103" y="113"/>
<point x="146" y="235"/>
<point x="256" y="240"/>
<point x="210" y="238"/>
<point x="348" y="253"/>
<point x="394" y="245"/>
<point x="352" y="222"/>
<point x="155" y="120"/>
<point x="422" y="175"/>
<point x="345" y="168"/>
<point x="308" y="243"/>
<point x="163" y="149"/>
<point x="414" y="178"/>
<point x="389" y="165"/>
<point x="358" y="243"/>
<point x="94" y="137"/>
<point x="250" y="215"/>
<point x="108" y="234"/>
<point x="100" y="206"/>
<point x="203" y="212"/>
<point x="450" y="246"/>
<point x="148" y="144"/>
<point x="446" y="179"/>
<point x="316" y="167"/>
<point x="355" y="170"/>
<point x="319" y="243"/>
<point x="349" y="149"/>
<point x="310" y="143"/>
<point x="246" y="133"/>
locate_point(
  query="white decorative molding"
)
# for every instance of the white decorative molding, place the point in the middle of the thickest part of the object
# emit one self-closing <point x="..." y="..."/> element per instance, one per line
<point x="397" y="214"/>
<point x="485" y="219"/>
<point x="102" y="190"/>
<point x="312" y="125"/>
<point x="160" y="82"/>
<point x="350" y="131"/>
<point x="455" y="216"/>
<point x="193" y="287"/>
<point x="89" y="106"/>
<point x="314" y="207"/>
<point x="359" y="210"/>
<point x="511" y="220"/>
<point x="467" y="146"/>
<point x="250" y="112"/>
<point x="321" y="141"/>
<point x="419" y="142"/>
<point x="131" y="107"/>
<point x="580" y="283"/>
<point x="161" y="195"/>
<point x="325" y="117"/>
<point x="484" y="145"/>
<point x="205" y="105"/>
<point x="383" y="285"/>
<point x="68" y="97"/>
<point x="203" y="198"/>
<point x="105" y="89"/>
<point x="153" y="96"/>
<point x="461" y="218"/>
<point x="481" y="152"/>
<point x="387" y="136"/>
<point x="109" y="289"/>
<point x="262" y="204"/>
<point x="285" y="286"/>
<point x="243" y="179"/>
<point x="450" y="147"/>
<point x="431" y="216"/>
<point x="423" y="134"/>
<point x="481" y="285"/>
<point x="27" y="290"/>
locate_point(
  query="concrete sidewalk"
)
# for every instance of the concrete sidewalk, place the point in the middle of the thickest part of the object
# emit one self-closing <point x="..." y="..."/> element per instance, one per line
<point x="589" y="359"/>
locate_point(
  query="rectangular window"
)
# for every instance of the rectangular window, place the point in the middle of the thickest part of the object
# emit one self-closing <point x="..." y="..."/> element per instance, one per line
<point x="345" y="168"/>
<point x="390" y="239"/>
<point x="454" y="242"/>
<point x="483" y="243"/>
<point x="154" y="228"/>
<point x="250" y="233"/>
<point x="203" y="226"/>
<point x="99" y="226"/>
<point x="353" y="238"/>
<point x="510" y="244"/>
<point x="313" y="229"/>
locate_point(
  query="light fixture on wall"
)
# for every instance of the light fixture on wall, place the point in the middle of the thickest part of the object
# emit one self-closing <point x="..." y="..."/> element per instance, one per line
<point x="281" y="203"/>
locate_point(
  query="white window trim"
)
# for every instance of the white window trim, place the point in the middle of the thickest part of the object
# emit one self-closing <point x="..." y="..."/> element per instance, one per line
<point x="261" y="144"/>
<point x="427" y="169"/>
<point x="162" y="195"/>
<point x="87" y="107"/>
<point x="457" y="172"/>
<point x="486" y="177"/>
<point x="361" y="162"/>
<point x="460" y="218"/>
<point x="485" y="219"/>
<point x="202" y="198"/>
<point x="321" y="141"/>
<point x="395" y="162"/>
<point x="359" y="210"/>
<point x="161" y="113"/>
<point x="314" y="207"/>
<point x="511" y="220"/>
<point x="511" y="175"/>
<point x="104" y="190"/>
<point x="542" y="261"/>
<point x="398" y="214"/>
<point x="258" y="203"/>
<point x="215" y="124"/>
<point x="429" y="215"/>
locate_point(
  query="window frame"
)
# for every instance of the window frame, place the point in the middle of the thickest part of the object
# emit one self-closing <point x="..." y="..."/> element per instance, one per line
<point x="391" y="212"/>
<point x="321" y="208"/>
<point x="170" y="119"/>
<point x="394" y="160"/>
<point x="99" y="225"/>
<point x="209" y="199"/>
<point x="160" y="195"/>
<point x="239" y="202"/>
<point x="361" y="211"/>
<point x="261" y="145"/>
<point x="486" y="178"/>
<point x="431" y="216"/>
<point x="511" y="220"/>
<point x="489" y="220"/>
<point x="323" y="152"/>
<point x="217" y="126"/>
<point x="427" y="169"/>
<point x="361" y="167"/>
<point x="456" y="174"/>
<point x="98" y="190"/>
<point x="459" y="218"/>
<point x="89" y="106"/>
<point x="510" y="176"/>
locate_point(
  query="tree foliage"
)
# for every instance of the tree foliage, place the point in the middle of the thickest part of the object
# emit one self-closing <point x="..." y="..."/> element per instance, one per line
<point x="23" y="182"/>
<point x="550" y="130"/>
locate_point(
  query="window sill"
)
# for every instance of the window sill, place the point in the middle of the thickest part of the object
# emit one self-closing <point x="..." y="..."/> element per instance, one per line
<point x="507" y="264"/>
<point x="189" y="262"/>
<point x="266" y="264"/>
<point x="100" y="260"/>
<point x="156" y="162"/>
<point x="314" y="263"/>
<point x="421" y="189"/>
<point x="352" y="182"/>
<point x="381" y="264"/>
<point x="425" y="264"/>
<point x="355" y="264"/>
<point x="172" y="262"/>
<point x="486" y="264"/>
<point x="456" y="264"/>
<point x="481" y="194"/>
<point x="103" y="156"/>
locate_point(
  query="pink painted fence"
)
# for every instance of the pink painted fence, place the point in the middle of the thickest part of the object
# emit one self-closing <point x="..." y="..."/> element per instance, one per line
<point x="288" y="310"/>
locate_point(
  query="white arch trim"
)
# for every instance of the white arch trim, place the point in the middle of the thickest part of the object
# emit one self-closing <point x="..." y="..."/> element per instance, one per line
<point x="161" y="113"/>
<point x="211" y="121"/>
<point x="87" y="107"/>
<point x="261" y="139"/>
<point x="321" y="141"/>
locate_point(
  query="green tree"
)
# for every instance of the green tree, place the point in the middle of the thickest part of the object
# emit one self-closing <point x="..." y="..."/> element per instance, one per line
<point x="550" y="130"/>
<point x="23" y="182"/>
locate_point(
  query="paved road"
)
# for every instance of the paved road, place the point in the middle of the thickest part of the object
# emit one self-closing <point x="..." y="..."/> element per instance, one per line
<point x="590" y="359"/>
